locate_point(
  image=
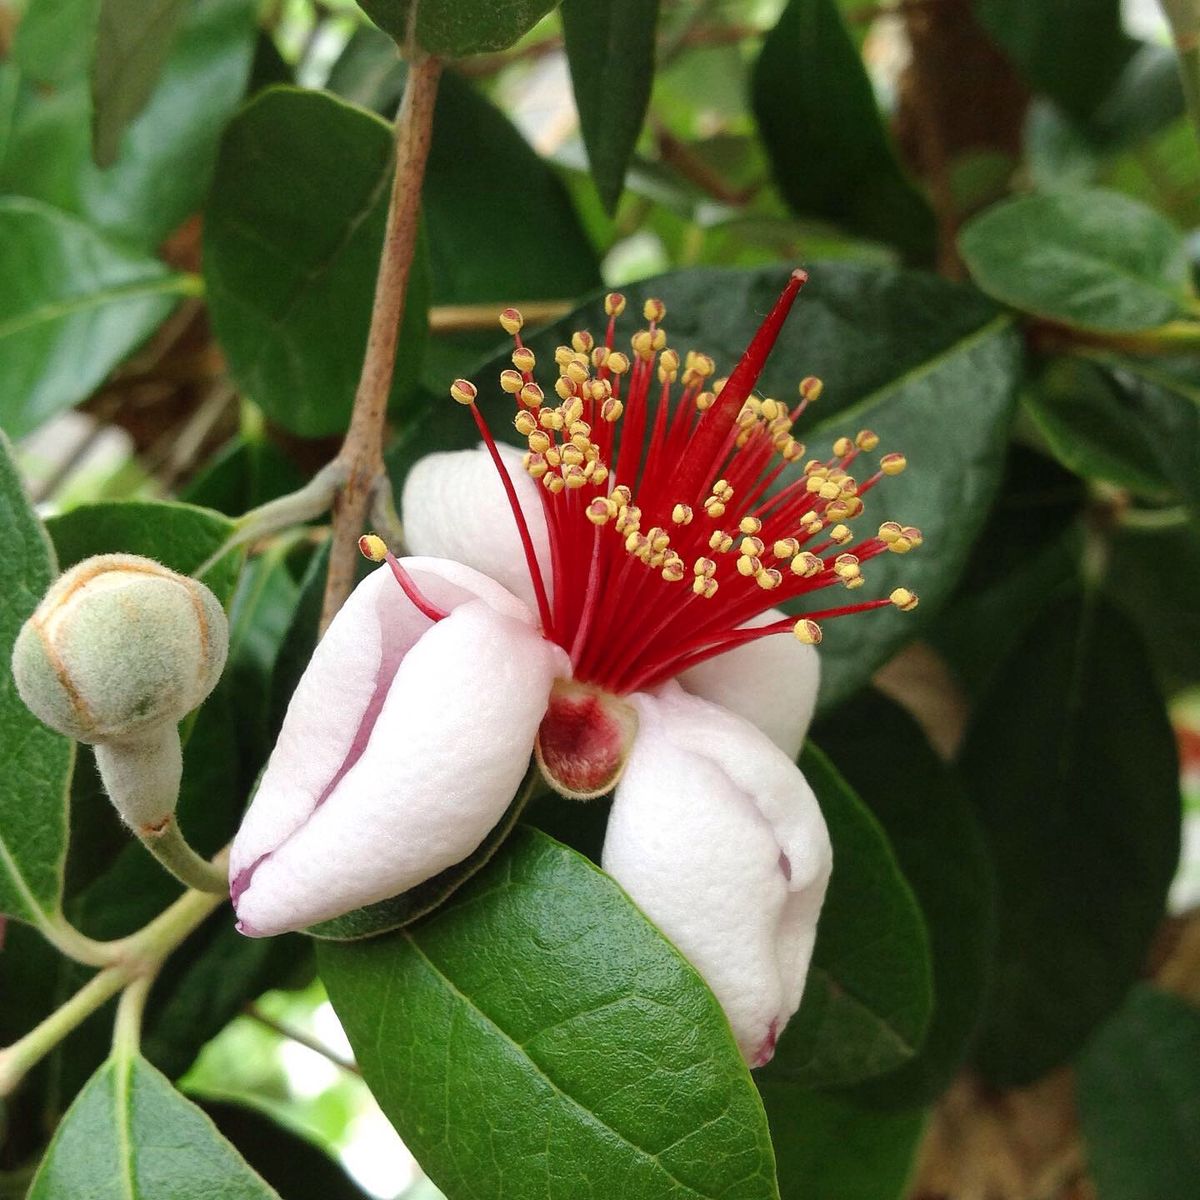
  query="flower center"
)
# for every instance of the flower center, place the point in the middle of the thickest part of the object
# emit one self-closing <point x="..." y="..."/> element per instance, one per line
<point x="584" y="739"/>
<point x="665" y="540"/>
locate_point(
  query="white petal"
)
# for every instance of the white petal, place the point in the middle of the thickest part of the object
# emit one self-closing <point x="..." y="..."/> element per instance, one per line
<point x="772" y="682"/>
<point x="707" y="816"/>
<point x="350" y="668"/>
<point x="444" y="760"/>
<point x="454" y="506"/>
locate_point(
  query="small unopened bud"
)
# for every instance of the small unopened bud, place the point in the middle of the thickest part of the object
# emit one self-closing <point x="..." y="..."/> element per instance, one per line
<point x="118" y="652"/>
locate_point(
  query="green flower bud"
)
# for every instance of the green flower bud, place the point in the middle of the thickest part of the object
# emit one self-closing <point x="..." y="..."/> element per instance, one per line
<point x="118" y="652"/>
<point x="120" y="644"/>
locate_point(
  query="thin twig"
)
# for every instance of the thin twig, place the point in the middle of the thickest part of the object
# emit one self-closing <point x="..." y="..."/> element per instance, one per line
<point x="301" y="1039"/>
<point x="467" y="318"/>
<point x="362" y="451"/>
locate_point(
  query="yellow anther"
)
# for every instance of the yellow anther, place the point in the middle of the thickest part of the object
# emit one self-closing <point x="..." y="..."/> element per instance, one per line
<point x="714" y="508"/>
<point x="913" y="534"/>
<point x="854" y="506"/>
<point x="807" y="565"/>
<point x="598" y="389"/>
<point x="643" y="344"/>
<point x="704" y="567"/>
<point x="614" y="304"/>
<point x="842" y="447"/>
<point x="579" y="429"/>
<point x="751" y="546"/>
<point x="829" y="490"/>
<point x="747" y="418"/>
<point x="574" y="476"/>
<point x="668" y="360"/>
<point x="531" y="395"/>
<point x="811" y="521"/>
<point x="464" y="391"/>
<point x="682" y="514"/>
<point x="840" y="535"/>
<point x="511" y="320"/>
<point x="372" y="546"/>
<point x="599" y="354"/>
<point x="750" y="525"/>
<point x="837" y="510"/>
<point x="539" y="442"/>
<point x="705" y="587"/>
<point x="673" y="569"/>
<point x="903" y="599"/>
<point x="654" y="310"/>
<point x="810" y="389"/>
<point x="563" y="355"/>
<point x="749" y="565"/>
<point x="611" y="410"/>
<point x="553" y="483"/>
<point x="900" y="545"/>
<point x="723" y="490"/>
<point x="845" y="566"/>
<point x="771" y="409"/>
<point x="617" y="362"/>
<point x="808" y="632"/>
<point x="572" y="410"/>
<point x="524" y="422"/>
<point x="553" y="457"/>
<point x="889" y="531"/>
<point x="719" y="385"/>
<point x="536" y="465"/>
<point x="576" y="372"/>
<point x="511" y="381"/>
<point x="704" y="401"/>
<point x="600" y="474"/>
<point x="814" y="483"/>
<point x="600" y="510"/>
<point x="893" y="464"/>
<point x="621" y="494"/>
<point x="768" y="578"/>
<point x="866" y="439"/>
<point x="564" y="388"/>
<point x="582" y="341"/>
<point x="786" y="548"/>
<point x="523" y="359"/>
<point x="660" y="539"/>
<point x="720" y="541"/>
<point x="792" y="450"/>
<point x="658" y="339"/>
<point x="572" y="456"/>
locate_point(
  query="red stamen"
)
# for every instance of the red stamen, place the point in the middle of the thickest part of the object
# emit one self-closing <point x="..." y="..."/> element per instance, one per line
<point x="408" y="584"/>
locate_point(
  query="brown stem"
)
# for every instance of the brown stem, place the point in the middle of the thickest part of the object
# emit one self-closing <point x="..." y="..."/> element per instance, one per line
<point x="468" y="318"/>
<point x="362" y="452"/>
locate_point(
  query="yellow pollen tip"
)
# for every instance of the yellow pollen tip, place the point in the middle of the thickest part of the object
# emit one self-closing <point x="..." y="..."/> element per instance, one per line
<point x="464" y="391"/>
<point x="511" y="381"/>
<point x="913" y="534"/>
<point x="842" y="447"/>
<point x="749" y="566"/>
<point x="704" y="587"/>
<point x="372" y="546"/>
<point x="614" y="304"/>
<point x="704" y="568"/>
<point x="889" y="531"/>
<point x="768" y="578"/>
<point x="511" y="320"/>
<point x="808" y="632"/>
<point x="810" y="389"/>
<point x="654" y="310"/>
<point x="807" y="565"/>
<point x="704" y="401"/>
<point x="523" y="359"/>
<point x="582" y="341"/>
<point x="893" y="464"/>
<point x="866" y="439"/>
<point x="714" y="508"/>
<point x="903" y="599"/>
<point x="720" y="541"/>
<point x="524" y="423"/>
<point x="617" y="362"/>
<point x="751" y="546"/>
<point x="840" y="535"/>
<point x="682" y="514"/>
<point x="786" y="548"/>
<point x="750" y="525"/>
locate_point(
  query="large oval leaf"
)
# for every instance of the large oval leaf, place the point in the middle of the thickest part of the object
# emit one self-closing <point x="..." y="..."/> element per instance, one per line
<point x="1071" y="762"/>
<point x="73" y="306"/>
<point x="291" y="251"/>
<point x="1089" y="258"/>
<point x="37" y="761"/>
<point x="130" y="1133"/>
<point x="464" y="27"/>
<point x="869" y="995"/>
<point x="929" y="366"/>
<point x="537" y="1035"/>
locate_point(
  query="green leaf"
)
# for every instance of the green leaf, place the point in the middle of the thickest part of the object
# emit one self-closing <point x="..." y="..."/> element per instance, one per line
<point x="1091" y="259"/>
<point x="869" y="995"/>
<point x="1121" y="423"/>
<point x="928" y="365"/>
<point x="166" y="155"/>
<point x="938" y="844"/>
<point x="74" y="306"/>
<point x="133" y="40"/>
<point x="610" y="47"/>
<point x="246" y="472"/>
<point x="47" y="45"/>
<point x="130" y="1133"/>
<point x="288" y="1161"/>
<point x="464" y="27"/>
<point x="33" y="808"/>
<point x="1070" y="50"/>
<point x="291" y="251"/>
<point x="830" y="153"/>
<point x="1071" y="763"/>
<point x="181" y="536"/>
<point x="538" y="1032"/>
<point x="1139" y="1099"/>
<point x="829" y="1148"/>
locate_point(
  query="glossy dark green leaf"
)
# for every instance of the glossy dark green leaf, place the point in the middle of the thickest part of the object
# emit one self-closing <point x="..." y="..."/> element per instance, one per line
<point x="133" y="40"/>
<point x="610" y="47"/>
<point x="291" y="251"/>
<point x="242" y="475"/>
<point x="1070" y="50"/>
<point x="830" y="153"/>
<point x="1139" y="1099"/>
<point x="165" y="157"/>
<point x="33" y="807"/>
<point x="130" y="1133"/>
<point x="537" y="1032"/>
<point x="829" y="1148"/>
<point x="1123" y="423"/>
<point x="929" y="366"/>
<point x="1091" y="259"/>
<point x="296" y="1167"/>
<point x="938" y="844"/>
<point x="73" y="307"/>
<point x="869" y="996"/>
<point x="1071" y="764"/>
<point x="464" y="27"/>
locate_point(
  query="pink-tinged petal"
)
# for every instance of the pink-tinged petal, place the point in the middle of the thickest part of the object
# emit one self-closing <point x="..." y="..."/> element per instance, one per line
<point x="772" y="683"/>
<point x="341" y="693"/>
<point x="717" y="837"/>
<point x="454" y="506"/>
<point x="441" y="765"/>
